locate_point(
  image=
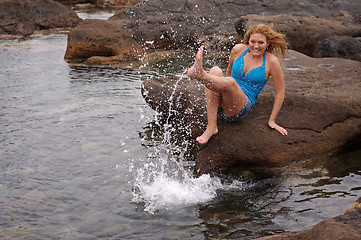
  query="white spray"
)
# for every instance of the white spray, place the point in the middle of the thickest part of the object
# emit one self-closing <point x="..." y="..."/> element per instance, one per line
<point x="163" y="182"/>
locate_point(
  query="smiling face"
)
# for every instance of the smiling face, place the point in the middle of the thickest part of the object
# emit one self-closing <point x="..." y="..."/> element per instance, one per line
<point x="257" y="44"/>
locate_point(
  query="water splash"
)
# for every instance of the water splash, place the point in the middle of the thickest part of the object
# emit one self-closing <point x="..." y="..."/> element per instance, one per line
<point x="164" y="181"/>
<point x="165" y="192"/>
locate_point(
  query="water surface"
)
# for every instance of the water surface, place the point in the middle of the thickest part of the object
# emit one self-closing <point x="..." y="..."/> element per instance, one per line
<point x="81" y="159"/>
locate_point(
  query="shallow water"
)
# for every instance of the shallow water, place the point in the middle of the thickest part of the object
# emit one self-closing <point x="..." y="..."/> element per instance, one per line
<point x="81" y="159"/>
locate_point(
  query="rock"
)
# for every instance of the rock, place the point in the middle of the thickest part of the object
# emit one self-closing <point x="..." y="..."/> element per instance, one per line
<point x="339" y="46"/>
<point x="322" y="112"/>
<point x="117" y="3"/>
<point x="188" y="100"/>
<point x="169" y="25"/>
<point x="102" y="42"/>
<point x="103" y="3"/>
<point x="23" y="17"/>
<point x="346" y="226"/>
<point x="186" y="24"/>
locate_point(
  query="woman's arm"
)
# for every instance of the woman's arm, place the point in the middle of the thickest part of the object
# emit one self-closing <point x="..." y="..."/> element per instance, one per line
<point x="279" y="86"/>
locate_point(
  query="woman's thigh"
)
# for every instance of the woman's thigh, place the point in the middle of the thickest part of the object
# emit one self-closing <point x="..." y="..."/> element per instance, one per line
<point x="233" y="99"/>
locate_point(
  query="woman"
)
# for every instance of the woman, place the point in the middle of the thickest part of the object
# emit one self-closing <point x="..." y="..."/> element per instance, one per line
<point x="250" y="66"/>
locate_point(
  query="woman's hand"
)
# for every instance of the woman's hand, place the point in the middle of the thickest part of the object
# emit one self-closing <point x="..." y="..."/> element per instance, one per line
<point x="275" y="126"/>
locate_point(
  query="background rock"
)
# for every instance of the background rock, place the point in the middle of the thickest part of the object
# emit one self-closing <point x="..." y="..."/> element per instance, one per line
<point x="184" y="24"/>
<point x="102" y="42"/>
<point x="116" y="3"/>
<point x="104" y="3"/>
<point x="23" y="17"/>
<point x="339" y="46"/>
<point x="180" y="25"/>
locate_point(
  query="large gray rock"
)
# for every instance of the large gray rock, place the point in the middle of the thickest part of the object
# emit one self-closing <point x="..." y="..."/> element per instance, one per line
<point x="23" y="17"/>
<point x="102" y="42"/>
<point x="322" y="112"/>
<point x="339" y="46"/>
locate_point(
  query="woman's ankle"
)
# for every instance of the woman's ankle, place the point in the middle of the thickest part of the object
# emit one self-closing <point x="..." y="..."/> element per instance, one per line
<point x="207" y="134"/>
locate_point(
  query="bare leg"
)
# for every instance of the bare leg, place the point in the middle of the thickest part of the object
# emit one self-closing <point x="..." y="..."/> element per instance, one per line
<point x="220" y="90"/>
<point x="196" y="71"/>
<point x="214" y="82"/>
<point x="213" y="102"/>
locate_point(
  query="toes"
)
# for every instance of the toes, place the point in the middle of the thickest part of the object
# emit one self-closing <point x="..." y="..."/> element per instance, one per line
<point x="200" y="53"/>
<point x="200" y="140"/>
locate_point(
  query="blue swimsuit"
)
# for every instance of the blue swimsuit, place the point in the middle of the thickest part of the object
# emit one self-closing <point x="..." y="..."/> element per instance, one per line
<point x="251" y="85"/>
<point x="254" y="81"/>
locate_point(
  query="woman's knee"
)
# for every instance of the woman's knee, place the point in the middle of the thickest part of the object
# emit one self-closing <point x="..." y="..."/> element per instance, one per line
<point x="231" y="85"/>
<point x="216" y="71"/>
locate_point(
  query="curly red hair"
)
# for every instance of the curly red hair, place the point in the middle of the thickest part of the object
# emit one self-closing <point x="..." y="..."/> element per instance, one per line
<point x="277" y="41"/>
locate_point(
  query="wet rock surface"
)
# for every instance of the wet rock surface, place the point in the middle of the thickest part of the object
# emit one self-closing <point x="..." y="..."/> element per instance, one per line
<point x="23" y="17"/>
<point x="322" y="112"/>
<point x="346" y="226"/>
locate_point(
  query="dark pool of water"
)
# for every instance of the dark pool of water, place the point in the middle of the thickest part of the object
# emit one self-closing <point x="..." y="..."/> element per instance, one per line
<point x="75" y="163"/>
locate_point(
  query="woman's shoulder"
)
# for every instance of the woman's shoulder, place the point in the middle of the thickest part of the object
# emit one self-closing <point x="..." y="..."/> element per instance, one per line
<point x="272" y="58"/>
<point x="239" y="48"/>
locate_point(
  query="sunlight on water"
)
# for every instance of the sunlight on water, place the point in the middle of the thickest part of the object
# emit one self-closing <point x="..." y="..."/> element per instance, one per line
<point x="104" y="15"/>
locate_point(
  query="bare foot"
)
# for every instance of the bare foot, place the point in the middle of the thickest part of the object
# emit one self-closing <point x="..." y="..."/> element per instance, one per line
<point x="196" y="71"/>
<point x="203" y="139"/>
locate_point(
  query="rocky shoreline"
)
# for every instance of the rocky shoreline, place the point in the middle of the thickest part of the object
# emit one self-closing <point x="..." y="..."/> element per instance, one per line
<point x="346" y="226"/>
